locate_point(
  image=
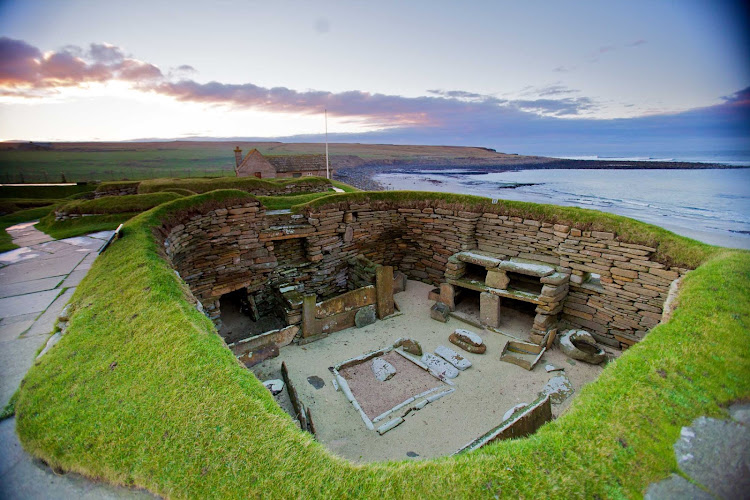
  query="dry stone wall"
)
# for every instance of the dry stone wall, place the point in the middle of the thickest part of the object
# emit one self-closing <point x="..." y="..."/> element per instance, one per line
<point x="116" y="191"/>
<point x="616" y="290"/>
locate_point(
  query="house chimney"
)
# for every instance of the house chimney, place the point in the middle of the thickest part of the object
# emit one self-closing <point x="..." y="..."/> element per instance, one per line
<point x="237" y="156"/>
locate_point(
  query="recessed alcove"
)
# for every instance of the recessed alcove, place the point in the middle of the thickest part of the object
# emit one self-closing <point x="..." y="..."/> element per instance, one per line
<point x="524" y="283"/>
<point x="517" y="318"/>
<point x="244" y="315"/>
<point x="475" y="272"/>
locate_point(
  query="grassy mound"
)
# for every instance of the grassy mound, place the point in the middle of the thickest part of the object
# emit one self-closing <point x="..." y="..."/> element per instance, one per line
<point x="204" y="185"/>
<point x="110" y="212"/>
<point x="181" y="191"/>
<point x="11" y="205"/>
<point x="149" y="395"/>
<point x="118" y="204"/>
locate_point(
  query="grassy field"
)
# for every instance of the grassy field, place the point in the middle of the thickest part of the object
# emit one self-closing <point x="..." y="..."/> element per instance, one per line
<point x="116" y="161"/>
<point x="148" y="394"/>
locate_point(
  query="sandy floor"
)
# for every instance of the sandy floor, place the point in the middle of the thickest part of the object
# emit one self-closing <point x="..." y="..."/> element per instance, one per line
<point x="483" y="393"/>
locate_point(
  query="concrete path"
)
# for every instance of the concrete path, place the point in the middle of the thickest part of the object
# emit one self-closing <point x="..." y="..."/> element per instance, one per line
<point x="36" y="281"/>
<point x="715" y="455"/>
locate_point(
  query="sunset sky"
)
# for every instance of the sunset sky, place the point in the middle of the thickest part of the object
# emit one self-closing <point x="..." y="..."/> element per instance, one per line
<point x="518" y="76"/>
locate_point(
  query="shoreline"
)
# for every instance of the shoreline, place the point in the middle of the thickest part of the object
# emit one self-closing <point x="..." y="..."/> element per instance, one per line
<point x="723" y="233"/>
<point x="363" y="176"/>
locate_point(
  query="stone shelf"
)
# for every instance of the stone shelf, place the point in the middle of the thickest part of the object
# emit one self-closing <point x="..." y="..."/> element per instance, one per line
<point x="508" y="293"/>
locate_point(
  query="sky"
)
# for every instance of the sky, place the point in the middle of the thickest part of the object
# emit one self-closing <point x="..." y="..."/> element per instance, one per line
<point x="582" y="76"/>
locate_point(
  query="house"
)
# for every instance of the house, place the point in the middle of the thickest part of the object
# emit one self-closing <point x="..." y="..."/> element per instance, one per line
<point x="255" y="164"/>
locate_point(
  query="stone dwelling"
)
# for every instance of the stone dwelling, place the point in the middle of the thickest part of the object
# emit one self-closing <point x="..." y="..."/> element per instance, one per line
<point x="255" y="164"/>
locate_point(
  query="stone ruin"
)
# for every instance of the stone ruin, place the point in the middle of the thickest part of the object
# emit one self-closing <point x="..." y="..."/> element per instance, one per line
<point x="298" y="277"/>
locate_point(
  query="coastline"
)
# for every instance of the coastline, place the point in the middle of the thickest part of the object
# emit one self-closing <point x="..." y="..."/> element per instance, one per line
<point x="698" y="217"/>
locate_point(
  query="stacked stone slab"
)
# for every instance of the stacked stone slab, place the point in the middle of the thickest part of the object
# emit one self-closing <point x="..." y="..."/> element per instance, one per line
<point x="217" y="252"/>
<point x="495" y="284"/>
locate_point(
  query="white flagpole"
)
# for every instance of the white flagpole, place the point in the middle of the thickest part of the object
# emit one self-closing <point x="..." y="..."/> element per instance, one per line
<point x="328" y="175"/>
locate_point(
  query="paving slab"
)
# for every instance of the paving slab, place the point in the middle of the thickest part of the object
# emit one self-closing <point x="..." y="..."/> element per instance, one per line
<point x="27" y="478"/>
<point x="93" y="244"/>
<point x="675" y="488"/>
<point x="25" y="234"/>
<point x="26" y="304"/>
<point x="716" y="454"/>
<point x="740" y="412"/>
<point x="14" y="330"/>
<point x="24" y="287"/>
<point x="101" y="235"/>
<point x="74" y="278"/>
<point x="86" y="263"/>
<point x="15" y="362"/>
<point x="46" y="322"/>
<point x="18" y="255"/>
<point x="39" y="268"/>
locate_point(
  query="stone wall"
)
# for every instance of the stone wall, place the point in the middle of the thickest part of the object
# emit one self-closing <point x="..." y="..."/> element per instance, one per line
<point x="116" y="191"/>
<point x="239" y="246"/>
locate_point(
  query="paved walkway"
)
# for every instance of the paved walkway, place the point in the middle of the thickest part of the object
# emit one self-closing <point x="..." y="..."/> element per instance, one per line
<point x="36" y="281"/>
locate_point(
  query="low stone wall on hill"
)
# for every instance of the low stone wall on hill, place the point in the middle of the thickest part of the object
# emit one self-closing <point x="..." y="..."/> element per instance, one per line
<point x="616" y="290"/>
<point x="116" y="191"/>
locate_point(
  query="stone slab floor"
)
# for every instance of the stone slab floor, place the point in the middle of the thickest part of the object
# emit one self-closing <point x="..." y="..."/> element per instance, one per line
<point x="36" y="281"/>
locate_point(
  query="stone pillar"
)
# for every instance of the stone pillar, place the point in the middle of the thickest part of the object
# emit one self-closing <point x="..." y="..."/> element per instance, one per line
<point x="497" y="279"/>
<point x="384" y="290"/>
<point x="448" y="295"/>
<point x="309" y="323"/>
<point x="489" y="309"/>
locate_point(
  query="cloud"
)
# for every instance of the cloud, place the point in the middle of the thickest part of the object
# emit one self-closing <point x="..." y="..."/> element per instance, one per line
<point x="546" y="115"/>
<point x="26" y="71"/>
<point x="105" y="53"/>
<point x="556" y="107"/>
<point x="457" y="94"/>
<point x="636" y="43"/>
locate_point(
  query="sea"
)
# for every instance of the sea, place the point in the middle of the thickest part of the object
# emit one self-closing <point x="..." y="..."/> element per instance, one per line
<point x="709" y="205"/>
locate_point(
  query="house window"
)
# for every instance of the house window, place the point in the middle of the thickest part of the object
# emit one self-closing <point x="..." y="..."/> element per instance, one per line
<point x="296" y="174"/>
<point x="258" y="175"/>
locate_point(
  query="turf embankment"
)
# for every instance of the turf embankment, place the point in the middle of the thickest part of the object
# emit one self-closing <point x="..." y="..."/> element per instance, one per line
<point x="141" y="391"/>
<point x="198" y="185"/>
<point x="103" y="214"/>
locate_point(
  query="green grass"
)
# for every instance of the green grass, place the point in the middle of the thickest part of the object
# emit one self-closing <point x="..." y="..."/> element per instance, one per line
<point x="183" y="192"/>
<point x="281" y="202"/>
<point x="6" y="242"/>
<point x="11" y="205"/>
<point x="85" y="225"/>
<point x="106" y="165"/>
<point x="10" y="408"/>
<point x="345" y="187"/>
<point x="48" y="192"/>
<point x="212" y="184"/>
<point x="148" y="395"/>
<point x="118" y="204"/>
